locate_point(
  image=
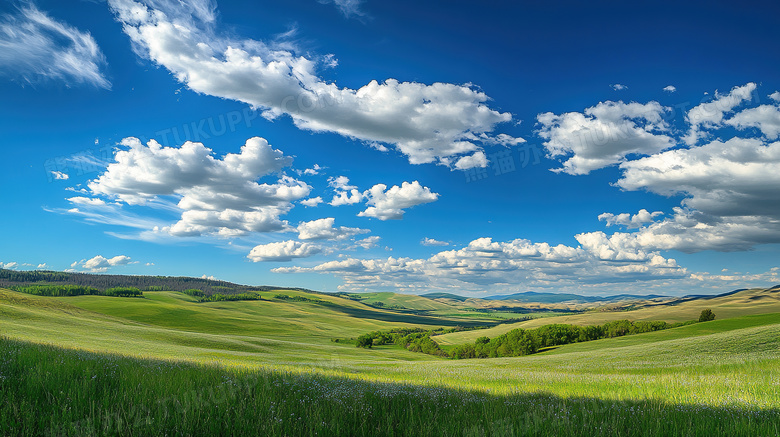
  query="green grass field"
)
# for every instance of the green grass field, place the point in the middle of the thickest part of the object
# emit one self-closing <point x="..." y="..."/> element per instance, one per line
<point x="755" y="301"/>
<point x="167" y="364"/>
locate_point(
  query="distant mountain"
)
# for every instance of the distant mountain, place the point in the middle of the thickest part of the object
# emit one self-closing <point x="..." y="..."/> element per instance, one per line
<point x="530" y="296"/>
<point x="444" y="296"/>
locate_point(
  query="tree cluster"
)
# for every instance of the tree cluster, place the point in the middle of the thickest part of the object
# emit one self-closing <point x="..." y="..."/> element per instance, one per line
<point x="299" y="298"/>
<point x="76" y="290"/>
<point x="413" y="339"/>
<point x="520" y="341"/>
<point x="218" y="297"/>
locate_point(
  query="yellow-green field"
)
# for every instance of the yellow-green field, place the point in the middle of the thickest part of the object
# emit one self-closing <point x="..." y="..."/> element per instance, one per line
<point x="747" y="302"/>
<point x="730" y="364"/>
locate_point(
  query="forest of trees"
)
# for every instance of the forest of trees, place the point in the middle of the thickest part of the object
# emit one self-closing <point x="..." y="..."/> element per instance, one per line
<point x="76" y="290"/>
<point x="10" y="278"/>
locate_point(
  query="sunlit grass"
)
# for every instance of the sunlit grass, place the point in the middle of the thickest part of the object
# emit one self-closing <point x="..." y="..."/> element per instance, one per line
<point x="720" y="377"/>
<point x="50" y="391"/>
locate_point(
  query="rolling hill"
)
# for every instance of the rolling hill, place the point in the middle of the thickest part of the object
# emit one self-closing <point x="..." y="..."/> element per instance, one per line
<point x="717" y="376"/>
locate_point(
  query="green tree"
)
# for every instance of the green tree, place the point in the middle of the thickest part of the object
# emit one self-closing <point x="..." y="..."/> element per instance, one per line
<point x="706" y="315"/>
<point x="365" y="340"/>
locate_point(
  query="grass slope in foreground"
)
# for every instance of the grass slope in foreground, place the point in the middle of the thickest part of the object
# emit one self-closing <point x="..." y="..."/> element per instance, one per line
<point x="259" y="366"/>
<point x="51" y="391"/>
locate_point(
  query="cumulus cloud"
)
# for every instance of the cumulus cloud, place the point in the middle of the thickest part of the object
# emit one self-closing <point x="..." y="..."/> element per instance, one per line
<point x="99" y="263"/>
<point x="604" y="134"/>
<point x="35" y="47"/>
<point x="283" y="251"/>
<point x="389" y="204"/>
<point x="215" y="196"/>
<point x="312" y="201"/>
<point x="433" y="242"/>
<point x="765" y="118"/>
<point x="475" y="160"/>
<point x="630" y="221"/>
<point x="439" y="123"/>
<point x="775" y="96"/>
<point x="710" y="115"/>
<point x="58" y="175"/>
<point x="9" y="265"/>
<point x="368" y="242"/>
<point x="731" y="189"/>
<point x="485" y="265"/>
<point x="312" y="171"/>
<point x="345" y="194"/>
<point x="323" y="229"/>
<point x="670" y="88"/>
<point x="618" y="87"/>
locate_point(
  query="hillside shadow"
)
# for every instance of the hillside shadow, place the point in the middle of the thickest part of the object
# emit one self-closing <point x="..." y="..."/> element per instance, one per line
<point x="410" y="318"/>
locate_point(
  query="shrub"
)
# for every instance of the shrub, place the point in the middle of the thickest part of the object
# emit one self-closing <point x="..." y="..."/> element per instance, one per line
<point x="706" y="315"/>
<point x="365" y="340"/>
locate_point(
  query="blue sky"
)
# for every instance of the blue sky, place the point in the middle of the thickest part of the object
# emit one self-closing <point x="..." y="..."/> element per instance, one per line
<point x="470" y="147"/>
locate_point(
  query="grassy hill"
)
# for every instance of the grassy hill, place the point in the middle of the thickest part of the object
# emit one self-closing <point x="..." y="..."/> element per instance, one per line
<point x="740" y="303"/>
<point x="709" y="378"/>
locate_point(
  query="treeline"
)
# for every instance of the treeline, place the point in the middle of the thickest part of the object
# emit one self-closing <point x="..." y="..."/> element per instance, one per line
<point x="76" y="290"/>
<point x="515" y="343"/>
<point x="300" y="299"/>
<point x="218" y="297"/>
<point x="520" y="341"/>
<point x="413" y="339"/>
<point x="11" y="278"/>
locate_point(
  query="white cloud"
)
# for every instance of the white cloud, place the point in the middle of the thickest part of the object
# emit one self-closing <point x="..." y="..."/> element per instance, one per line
<point x="368" y="242"/>
<point x="389" y="204"/>
<point x="283" y="251"/>
<point x="350" y="197"/>
<point x="42" y="266"/>
<point x="775" y="96"/>
<point x="322" y="229"/>
<point x="618" y="87"/>
<point x="604" y="134"/>
<point x="215" y="196"/>
<point x="427" y="123"/>
<point x="346" y="194"/>
<point x="765" y="117"/>
<point x="312" y="171"/>
<point x="433" y="242"/>
<point x="475" y="160"/>
<point x="631" y="222"/>
<point x="9" y="265"/>
<point x="100" y="263"/>
<point x="670" y="88"/>
<point x="488" y="266"/>
<point x="312" y="201"/>
<point x="86" y="201"/>
<point x="710" y="115"/>
<point x="731" y="189"/>
<point x="34" y="46"/>
<point x="58" y="175"/>
<point x="349" y="8"/>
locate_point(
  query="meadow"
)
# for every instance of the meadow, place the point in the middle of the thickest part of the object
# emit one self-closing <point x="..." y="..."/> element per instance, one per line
<point x="167" y="364"/>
